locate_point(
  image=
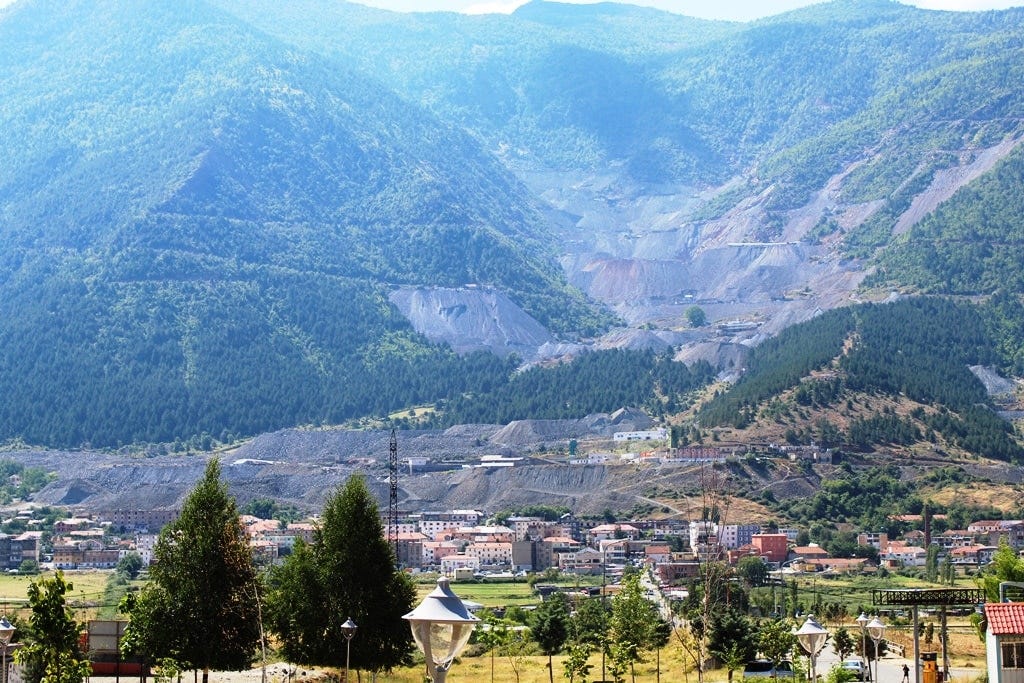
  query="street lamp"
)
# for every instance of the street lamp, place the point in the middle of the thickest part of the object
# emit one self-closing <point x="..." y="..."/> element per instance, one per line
<point x="876" y="629"/>
<point x="862" y="621"/>
<point x="348" y="629"/>
<point x="441" y="626"/>
<point x="6" y="633"/>
<point x="812" y="637"/>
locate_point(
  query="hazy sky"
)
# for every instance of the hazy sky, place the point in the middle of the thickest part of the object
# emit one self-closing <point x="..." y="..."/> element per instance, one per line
<point x="739" y="10"/>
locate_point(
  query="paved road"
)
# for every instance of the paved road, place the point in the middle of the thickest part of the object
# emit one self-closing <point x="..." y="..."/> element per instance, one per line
<point x="890" y="669"/>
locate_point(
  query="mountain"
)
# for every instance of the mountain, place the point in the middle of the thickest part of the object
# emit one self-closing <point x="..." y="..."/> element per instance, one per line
<point x="223" y="218"/>
<point x="199" y="223"/>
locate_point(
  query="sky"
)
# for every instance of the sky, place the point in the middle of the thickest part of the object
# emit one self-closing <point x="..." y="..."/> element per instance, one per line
<point x="735" y="10"/>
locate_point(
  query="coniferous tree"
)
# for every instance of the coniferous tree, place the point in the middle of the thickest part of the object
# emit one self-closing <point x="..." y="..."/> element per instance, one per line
<point x="199" y="608"/>
<point x="348" y="572"/>
<point x="550" y="627"/>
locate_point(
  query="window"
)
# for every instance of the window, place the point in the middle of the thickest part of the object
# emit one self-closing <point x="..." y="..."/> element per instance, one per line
<point x="1013" y="655"/>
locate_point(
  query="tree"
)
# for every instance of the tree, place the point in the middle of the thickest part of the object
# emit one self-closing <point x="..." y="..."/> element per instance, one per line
<point x="589" y="629"/>
<point x="130" y="565"/>
<point x="1005" y="566"/>
<point x="660" y="637"/>
<point x="696" y="316"/>
<point x="550" y="627"/>
<point x="200" y="606"/>
<point x="632" y="623"/>
<point x="732" y="639"/>
<point x="843" y="643"/>
<point x="347" y="572"/>
<point x="51" y="644"/>
<point x="753" y="570"/>
<point x="775" y="640"/>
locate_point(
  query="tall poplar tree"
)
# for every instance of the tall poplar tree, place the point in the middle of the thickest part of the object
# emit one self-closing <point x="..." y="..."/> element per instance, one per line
<point x="200" y="605"/>
<point x="348" y="572"/>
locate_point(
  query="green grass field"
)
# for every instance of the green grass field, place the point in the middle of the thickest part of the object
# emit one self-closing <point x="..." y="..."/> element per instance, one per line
<point x="86" y="596"/>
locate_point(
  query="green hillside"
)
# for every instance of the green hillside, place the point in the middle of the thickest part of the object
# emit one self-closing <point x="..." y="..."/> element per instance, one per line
<point x="205" y="206"/>
<point x="199" y="224"/>
<point x="832" y="367"/>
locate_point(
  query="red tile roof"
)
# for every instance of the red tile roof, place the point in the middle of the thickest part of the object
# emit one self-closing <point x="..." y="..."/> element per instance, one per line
<point x="1005" y="618"/>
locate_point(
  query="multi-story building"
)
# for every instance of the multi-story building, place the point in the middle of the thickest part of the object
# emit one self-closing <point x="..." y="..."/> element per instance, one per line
<point x="771" y="547"/>
<point x="139" y="520"/>
<point x="434" y="523"/>
<point x="875" y="539"/>
<point x="736" y="535"/>
<point x="409" y="549"/>
<point x="491" y="554"/>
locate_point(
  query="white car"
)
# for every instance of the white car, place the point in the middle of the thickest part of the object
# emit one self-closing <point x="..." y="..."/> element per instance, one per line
<point x="861" y="671"/>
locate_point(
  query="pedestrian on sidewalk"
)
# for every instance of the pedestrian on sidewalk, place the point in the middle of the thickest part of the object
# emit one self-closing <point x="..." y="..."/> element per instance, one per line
<point x="906" y="674"/>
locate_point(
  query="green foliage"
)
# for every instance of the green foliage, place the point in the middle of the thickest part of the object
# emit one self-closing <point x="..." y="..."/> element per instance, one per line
<point x="599" y="381"/>
<point x="696" y="316"/>
<point x="919" y="348"/>
<point x="267" y="508"/>
<point x="971" y="244"/>
<point x="200" y="606"/>
<point x="347" y="572"/>
<point x="843" y="643"/>
<point x="51" y="651"/>
<point x="130" y="565"/>
<point x="549" y="626"/>
<point x="1005" y="566"/>
<point x="753" y="570"/>
<point x="775" y="639"/>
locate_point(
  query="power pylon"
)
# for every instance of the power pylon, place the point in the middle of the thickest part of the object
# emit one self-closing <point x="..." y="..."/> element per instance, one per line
<point x="393" y="489"/>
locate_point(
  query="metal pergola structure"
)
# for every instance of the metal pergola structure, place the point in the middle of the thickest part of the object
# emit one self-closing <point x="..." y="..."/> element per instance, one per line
<point x="928" y="597"/>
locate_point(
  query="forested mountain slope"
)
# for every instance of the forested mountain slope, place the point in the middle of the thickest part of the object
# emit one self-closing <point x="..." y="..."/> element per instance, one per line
<point x="891" y="376"/>
<point x="208" y="208"/>
<point x="199" y="222"/>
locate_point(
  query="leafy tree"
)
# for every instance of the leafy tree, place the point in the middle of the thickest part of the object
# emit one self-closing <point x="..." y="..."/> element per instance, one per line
<point x="130" y="565"/>
<point x="200" y="606"/>
<point x="550" y="627"/>
<point x="633" y="619"/>
<point x="512" y="643"/>
<point x="775" y="640"/>
<point x="753" y="570"/>
<point x="589" y="632"/>
<point x="1005" y="566"/>
<point x="696" y="316"/>
<point x="843" y="643"/>
<point x="347" y="572"/>
<point x="660" y="637"/>
<point x="51" y="651"/>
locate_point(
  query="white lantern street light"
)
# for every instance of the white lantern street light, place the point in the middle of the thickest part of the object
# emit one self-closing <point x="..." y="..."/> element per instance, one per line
<point x="876" y="629"/>
<point x="812" y="637"/>
<point x="862" y="621"/>
<point x="348" y="629"/>
<point x="441" y="626"/>
<point x="6" y="633"/>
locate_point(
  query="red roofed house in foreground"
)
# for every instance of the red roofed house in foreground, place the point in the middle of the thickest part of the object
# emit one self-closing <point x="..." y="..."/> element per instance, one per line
<point x="1004" y="642"/>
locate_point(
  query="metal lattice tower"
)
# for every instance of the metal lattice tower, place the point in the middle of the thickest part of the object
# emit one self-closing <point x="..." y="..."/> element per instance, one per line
<point x="393" y="489"/>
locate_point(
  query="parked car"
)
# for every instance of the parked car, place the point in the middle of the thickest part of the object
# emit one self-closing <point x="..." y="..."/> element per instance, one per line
<point x="764" y="668"/>
<point x="860" y="670"/>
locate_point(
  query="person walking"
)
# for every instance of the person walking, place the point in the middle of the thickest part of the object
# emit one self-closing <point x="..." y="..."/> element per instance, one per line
<point x="906" y="674"/>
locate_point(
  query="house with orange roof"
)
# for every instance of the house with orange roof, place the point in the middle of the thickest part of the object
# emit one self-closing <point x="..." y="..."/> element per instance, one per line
<point x="1004" y="642"/>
